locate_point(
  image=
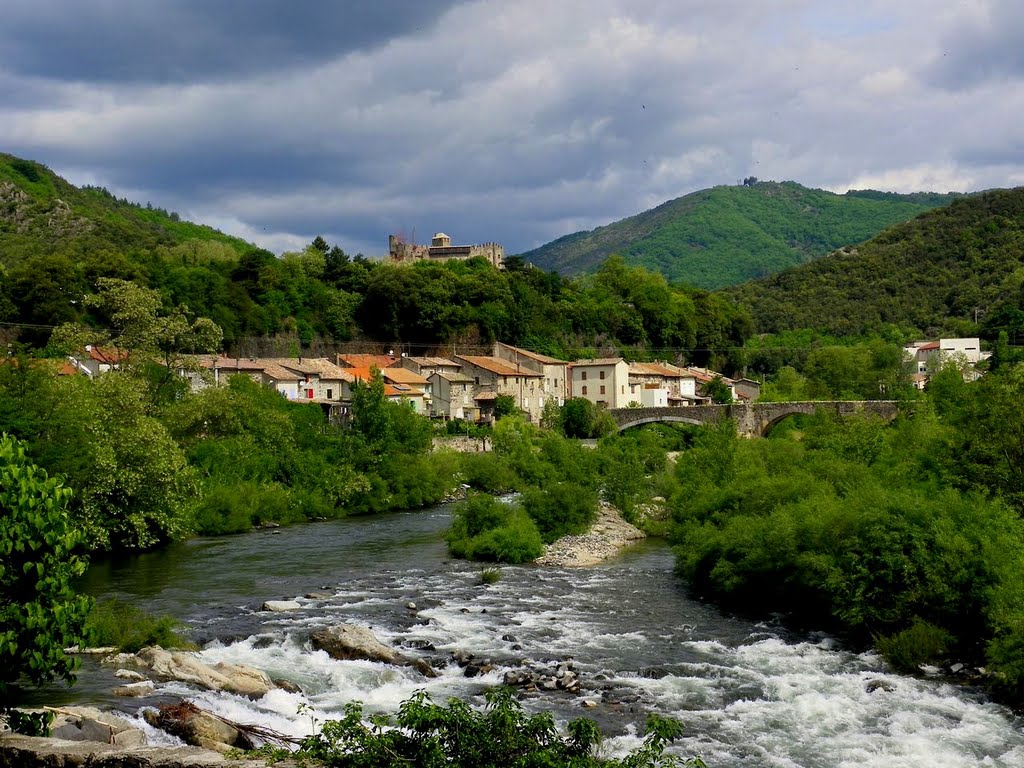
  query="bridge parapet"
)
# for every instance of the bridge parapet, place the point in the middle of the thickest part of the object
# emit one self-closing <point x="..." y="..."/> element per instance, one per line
<point x="751" y="419"/>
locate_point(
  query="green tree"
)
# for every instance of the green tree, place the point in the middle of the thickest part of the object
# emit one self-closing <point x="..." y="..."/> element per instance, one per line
<point x="505" y="405"/>
<point x="39" y="613"/>
<point x="718" y="390"/>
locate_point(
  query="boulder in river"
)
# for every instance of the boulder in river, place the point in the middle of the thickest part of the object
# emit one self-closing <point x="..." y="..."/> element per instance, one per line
<point x="198" y="728"/>
<point x="134" y="690"/>
<point x="184" y="666"/>
<point x="90" y="724"/>
<point x="348" y="642"/>
<point x="280" y="606"/>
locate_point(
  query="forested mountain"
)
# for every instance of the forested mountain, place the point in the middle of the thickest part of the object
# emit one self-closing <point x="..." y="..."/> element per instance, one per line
<point x="57" y="241"/>
<point x="726" y="235"/>
<point x="941" y="273"/>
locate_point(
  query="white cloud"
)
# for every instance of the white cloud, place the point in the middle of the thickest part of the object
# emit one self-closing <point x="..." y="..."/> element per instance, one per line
<point x="521" y="120"/>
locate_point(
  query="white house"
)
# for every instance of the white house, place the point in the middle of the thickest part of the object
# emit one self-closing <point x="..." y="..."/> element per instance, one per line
<point x="927" y="357"/>
<point x="602" y="381"/>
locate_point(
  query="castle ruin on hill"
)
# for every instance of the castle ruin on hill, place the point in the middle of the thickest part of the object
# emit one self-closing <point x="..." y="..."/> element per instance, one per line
<point x="441" y="249"/>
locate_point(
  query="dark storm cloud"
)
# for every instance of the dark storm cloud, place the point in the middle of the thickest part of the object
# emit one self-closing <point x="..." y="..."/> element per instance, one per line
<point x="510" y="120"/>
<point x="986" y="46"/>
<point x="190" y="40"/>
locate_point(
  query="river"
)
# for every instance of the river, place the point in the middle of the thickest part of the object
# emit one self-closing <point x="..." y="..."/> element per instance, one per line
<point x="749" y="694"/>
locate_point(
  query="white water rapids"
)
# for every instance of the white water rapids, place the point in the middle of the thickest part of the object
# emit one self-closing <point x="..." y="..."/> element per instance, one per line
<point x="748" y="694"/>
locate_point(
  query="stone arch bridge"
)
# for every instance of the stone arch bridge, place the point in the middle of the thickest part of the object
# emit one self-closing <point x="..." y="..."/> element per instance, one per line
<point x="751" y="419"/>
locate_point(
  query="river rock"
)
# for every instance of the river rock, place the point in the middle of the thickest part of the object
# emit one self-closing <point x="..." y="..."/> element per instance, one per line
<point x="183" y="666"/>
<point x="32" y="752"/>
<point x="134" y="690"/>
<point x="198" y="728"/>
<point x="280" y="606"/>
<point x="287" y="685"/>
<point x="91" y="724"/>
<point x="129" y="674"/>
<point x="348" y="642"/>
<point x="879" y="685"/>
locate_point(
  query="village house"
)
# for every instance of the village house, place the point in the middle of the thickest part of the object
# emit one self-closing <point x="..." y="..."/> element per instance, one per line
<point x="320" y="379"/>
<point x="425" y="366"/>
<point x="555" y="372"/>
<point x="493" y="376"/>
<point x="363" y="367"/>
<point x="96" y="360"/>
<point x="403" y="379"/>
<point x="926" y="358"/>
<point x="602" y="381"/>
<point x="747" y="390"/>
<point x="281" y="379"/>
<point x="453" y="396"/>
<point x="704" y="376"/>
<point x="648" y="386"/>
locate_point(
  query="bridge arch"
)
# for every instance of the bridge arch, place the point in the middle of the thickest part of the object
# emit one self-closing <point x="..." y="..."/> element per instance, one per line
<point x="751" y="419"/>
<point x="694" y="422"/>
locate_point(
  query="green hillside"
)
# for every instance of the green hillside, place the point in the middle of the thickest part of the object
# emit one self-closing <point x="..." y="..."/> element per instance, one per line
<point x="939" y="273"/>
<point x="40" y="211"/>
<point x="57" y="242"/>
<point x="726" y="235"/>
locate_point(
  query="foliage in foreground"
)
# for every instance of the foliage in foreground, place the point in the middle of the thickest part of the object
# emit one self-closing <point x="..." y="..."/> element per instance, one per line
<point x="39" y="557"/>
<point x="431" y="735"/>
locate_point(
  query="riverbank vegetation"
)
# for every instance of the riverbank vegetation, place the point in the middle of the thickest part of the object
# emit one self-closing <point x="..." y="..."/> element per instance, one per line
<point x="501" y="735"/>
<point x="906" y="536"/>
<point x="40" y="555"/>
<point x="557" y="483"/>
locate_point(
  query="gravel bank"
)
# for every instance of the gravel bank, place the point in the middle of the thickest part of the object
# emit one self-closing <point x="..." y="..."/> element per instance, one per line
<point x="605" y="539"/>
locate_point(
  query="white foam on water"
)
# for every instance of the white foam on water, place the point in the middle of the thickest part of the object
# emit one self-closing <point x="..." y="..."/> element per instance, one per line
<point x="811" y="708"/>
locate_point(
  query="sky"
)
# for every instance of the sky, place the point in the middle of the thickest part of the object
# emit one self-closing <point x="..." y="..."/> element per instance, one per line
<point x="515" y="121"/>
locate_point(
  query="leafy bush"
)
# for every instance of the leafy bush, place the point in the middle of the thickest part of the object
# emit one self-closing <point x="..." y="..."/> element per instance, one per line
<point x="490" y="576"/>
<point x="455" y="735"/>
<point x="919" y="644"/>
<point x="560" y="509"/>
<point x="40" y="614"/>
<point x="486" y="529"/>
<point x="489" y="473"/>
<point x="129" y="628"/>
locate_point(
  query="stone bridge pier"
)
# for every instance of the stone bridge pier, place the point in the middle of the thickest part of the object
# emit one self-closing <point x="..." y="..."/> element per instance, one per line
<point x="751" y="419"/>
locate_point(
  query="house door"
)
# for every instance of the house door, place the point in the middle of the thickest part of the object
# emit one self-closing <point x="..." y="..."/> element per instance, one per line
<point x="309" y="394"/>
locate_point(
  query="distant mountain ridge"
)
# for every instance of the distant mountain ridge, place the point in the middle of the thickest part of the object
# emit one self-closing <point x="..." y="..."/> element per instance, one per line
<point x="956" y="270"/>
<point x="40" y="211"/>
<point x="727" y="235"/>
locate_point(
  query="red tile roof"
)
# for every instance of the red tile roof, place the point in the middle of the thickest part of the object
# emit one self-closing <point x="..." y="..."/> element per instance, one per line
<point x="367" y="361"/>
<point x="499" y="367"/>
<point x="404" y="376"/>
<point x="545" y="359"/>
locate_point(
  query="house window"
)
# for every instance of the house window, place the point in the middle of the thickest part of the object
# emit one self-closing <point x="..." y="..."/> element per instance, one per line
<point x="602" y="375"/>
<point x="602" y="389"/>
<point x="583" y="375"/>
<point x="584" y="390"/>
<point x="623" y="389"/>
<point x="330" y="394"/>
<point x="477" y="380"/>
